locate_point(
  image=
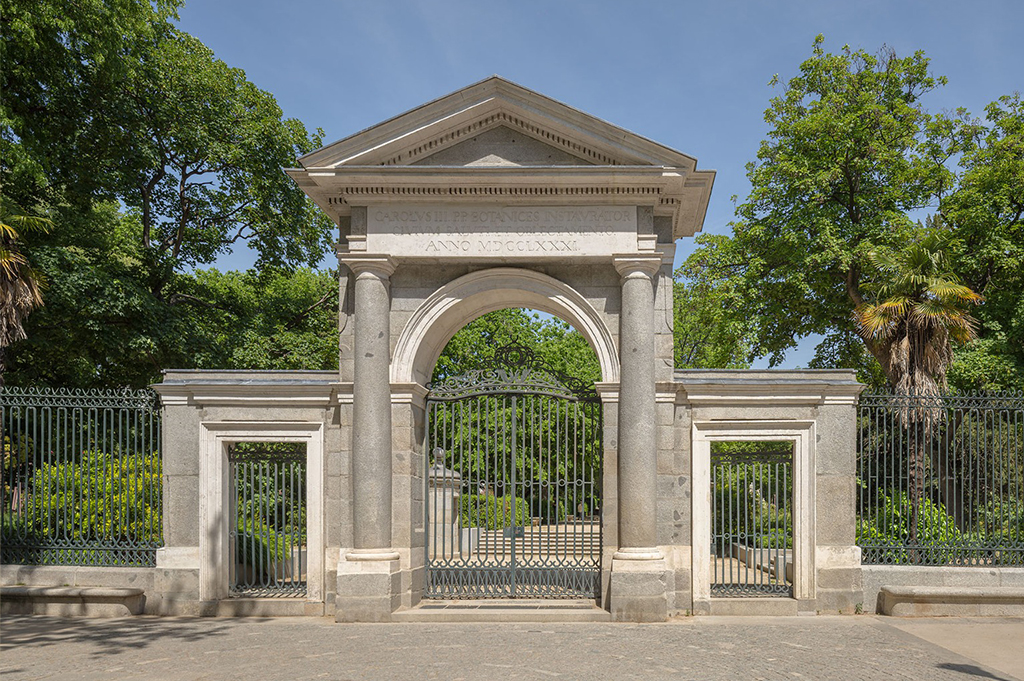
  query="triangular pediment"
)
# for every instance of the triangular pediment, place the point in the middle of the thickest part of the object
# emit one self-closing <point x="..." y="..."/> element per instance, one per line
<point x="502" y="146"/>
<point x="450" y="130"/>
<point x="499" y="143"/>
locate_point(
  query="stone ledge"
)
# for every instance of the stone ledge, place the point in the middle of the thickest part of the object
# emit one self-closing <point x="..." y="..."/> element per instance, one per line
<point x="503" y="611"/>
<point x="268" y="607"/>
<point x="763" y="607"/>
<point x="72" y="601"/>
<point x="951" y="601"/>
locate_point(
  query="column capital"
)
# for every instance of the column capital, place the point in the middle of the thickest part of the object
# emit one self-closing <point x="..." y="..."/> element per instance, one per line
<point x="381" y="266"/>
<point x="637" y="265"/>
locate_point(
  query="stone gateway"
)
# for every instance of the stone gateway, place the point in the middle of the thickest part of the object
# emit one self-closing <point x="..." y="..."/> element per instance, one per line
<point x="494" y="197"/>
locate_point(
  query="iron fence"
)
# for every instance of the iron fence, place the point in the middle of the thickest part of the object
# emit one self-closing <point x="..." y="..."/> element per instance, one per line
<point x="81" y="478"/>
<point x="941" y="479"/>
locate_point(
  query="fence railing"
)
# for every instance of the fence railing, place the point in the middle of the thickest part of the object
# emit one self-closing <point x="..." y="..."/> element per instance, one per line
<point x="941" y="479"/>
<point x="81" y="478"/>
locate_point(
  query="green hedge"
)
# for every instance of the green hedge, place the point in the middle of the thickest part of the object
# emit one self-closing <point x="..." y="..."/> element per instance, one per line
<point x="492" y="512"/>
<point x="98" y="498"/>
<point x="887" y="527"/>
<point x="257" y="542"/>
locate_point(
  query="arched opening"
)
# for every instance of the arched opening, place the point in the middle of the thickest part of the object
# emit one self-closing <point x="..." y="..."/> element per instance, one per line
<point x="459" y="302"/>
<point x="514" y="473"/>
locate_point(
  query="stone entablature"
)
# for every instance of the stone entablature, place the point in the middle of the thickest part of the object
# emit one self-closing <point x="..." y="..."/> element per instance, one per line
<point x="500" y="232"/>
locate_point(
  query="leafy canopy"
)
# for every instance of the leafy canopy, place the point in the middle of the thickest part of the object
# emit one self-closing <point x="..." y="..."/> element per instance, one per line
<point x="851" y="157"/>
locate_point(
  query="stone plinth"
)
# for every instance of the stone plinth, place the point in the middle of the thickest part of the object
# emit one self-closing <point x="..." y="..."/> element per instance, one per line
<point x="639" y="590"/>
<point x="369" y="588"/>
<point x="443" y="485"/>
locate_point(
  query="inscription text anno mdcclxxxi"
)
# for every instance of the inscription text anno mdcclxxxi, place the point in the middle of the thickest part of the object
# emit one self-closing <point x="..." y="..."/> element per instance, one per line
<point x="432" y="231"/>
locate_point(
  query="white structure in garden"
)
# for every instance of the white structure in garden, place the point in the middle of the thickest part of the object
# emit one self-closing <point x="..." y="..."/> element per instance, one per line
<point x="494" y="197"/>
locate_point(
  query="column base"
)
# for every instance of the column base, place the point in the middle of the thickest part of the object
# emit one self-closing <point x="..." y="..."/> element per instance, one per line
<point x="638" y="590"/>
<point x="369" y="590"/>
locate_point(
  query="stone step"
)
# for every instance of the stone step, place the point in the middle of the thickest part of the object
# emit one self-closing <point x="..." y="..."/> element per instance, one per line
<point x="504" y="610"/>
<point x="72" y="601"/>
<point x="768" y="607"/>
<point x="952" y="601"/>
<point x="268" y="607"/>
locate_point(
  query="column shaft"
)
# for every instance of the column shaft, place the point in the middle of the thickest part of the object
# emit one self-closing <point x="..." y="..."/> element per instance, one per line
<point x="638" y="465"/>
<point x="371" y="394"/>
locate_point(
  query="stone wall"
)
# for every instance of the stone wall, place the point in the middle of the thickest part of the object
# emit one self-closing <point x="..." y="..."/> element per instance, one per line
<point x="877" y="576"/>
<point x="251" y="404"/>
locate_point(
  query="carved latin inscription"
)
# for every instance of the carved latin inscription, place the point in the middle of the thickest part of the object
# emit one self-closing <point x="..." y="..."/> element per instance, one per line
<point x="500" y="231"/>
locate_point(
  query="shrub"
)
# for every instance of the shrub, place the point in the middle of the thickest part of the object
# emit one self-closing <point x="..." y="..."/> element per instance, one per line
<point x="492" y="512"/>
<point x="258" y="545"/>
<point x="887" y="527"/>
<point x="98" y="498"/>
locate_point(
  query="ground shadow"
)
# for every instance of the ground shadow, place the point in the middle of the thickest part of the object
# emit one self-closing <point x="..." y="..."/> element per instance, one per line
<point x="971" y="670"/>
<point x="110" y="636"/>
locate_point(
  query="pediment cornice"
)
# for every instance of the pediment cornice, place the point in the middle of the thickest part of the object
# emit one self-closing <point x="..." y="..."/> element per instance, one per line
<point x="493" y="102"/>
<point x="375" y="165"/>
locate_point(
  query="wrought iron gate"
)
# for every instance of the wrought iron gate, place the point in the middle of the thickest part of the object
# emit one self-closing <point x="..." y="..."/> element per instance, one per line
<point x="752" y="519"/>
<point x="268" y="536"/>
<point x="513" y="483"/>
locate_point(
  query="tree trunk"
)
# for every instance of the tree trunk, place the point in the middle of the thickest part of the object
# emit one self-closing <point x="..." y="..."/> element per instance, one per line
<point x="915" y="483"/>
<point x="947" y="472"/>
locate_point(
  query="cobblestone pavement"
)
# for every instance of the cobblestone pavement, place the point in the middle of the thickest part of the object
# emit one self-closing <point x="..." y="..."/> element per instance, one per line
<point x="819" y="648"/>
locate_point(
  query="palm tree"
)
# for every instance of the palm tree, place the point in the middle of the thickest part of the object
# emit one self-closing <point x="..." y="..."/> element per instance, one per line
<point x="20" y="284"/>
<point x="916" y="308"/>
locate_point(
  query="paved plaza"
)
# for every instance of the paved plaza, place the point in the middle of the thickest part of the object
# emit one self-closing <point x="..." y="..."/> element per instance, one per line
<point x="821" y="648"/>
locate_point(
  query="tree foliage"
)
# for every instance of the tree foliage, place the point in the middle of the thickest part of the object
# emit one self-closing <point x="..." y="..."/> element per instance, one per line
<point x="554" y="341"/>
<point x="20" y="283"/>
<point x="986" y="215"/>
<point x="151" y="157"/>
<point x="914" y="308"/>
<point x="710" y="327"/>
<point x="851" y="158"/>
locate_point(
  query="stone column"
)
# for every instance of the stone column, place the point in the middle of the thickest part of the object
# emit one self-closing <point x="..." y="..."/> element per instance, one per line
<point x="368" y="572"/>
<point x="639" y="580"/>
<point x="371" y="407"/>
<point x="638" y="463"/>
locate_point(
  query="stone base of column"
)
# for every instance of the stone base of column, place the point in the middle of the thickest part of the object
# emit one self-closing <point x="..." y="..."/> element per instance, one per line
<point x="369" y="587"/>
<point x="639" y="586"/>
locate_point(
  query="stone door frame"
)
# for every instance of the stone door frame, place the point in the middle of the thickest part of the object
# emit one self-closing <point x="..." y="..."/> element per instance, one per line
<point x="214" y="498"/>
<point x="802" y="435"/>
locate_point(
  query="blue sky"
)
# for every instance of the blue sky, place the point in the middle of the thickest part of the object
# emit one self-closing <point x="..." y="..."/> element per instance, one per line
<point x="691" y="75"/>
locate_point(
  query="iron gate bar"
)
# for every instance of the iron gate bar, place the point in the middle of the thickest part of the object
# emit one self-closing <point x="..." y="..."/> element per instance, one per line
<point x="749" y="555"/>
<point x="521" y="443"/>
<point x="267" y="537"/>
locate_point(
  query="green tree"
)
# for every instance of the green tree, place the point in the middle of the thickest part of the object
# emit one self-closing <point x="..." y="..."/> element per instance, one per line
<point x="204" y="149"/>
<point x="711" y="329"/>
<point x="850" y="153"/>
<point x="152" y="158"/>
<point x="64" y="64"/>
<point x="986" y="213"/>
<point x="20" y="283"/>
<point x="913" y="309"/>
<point x="270" y="320"/>
<point x="554" y="341"/>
